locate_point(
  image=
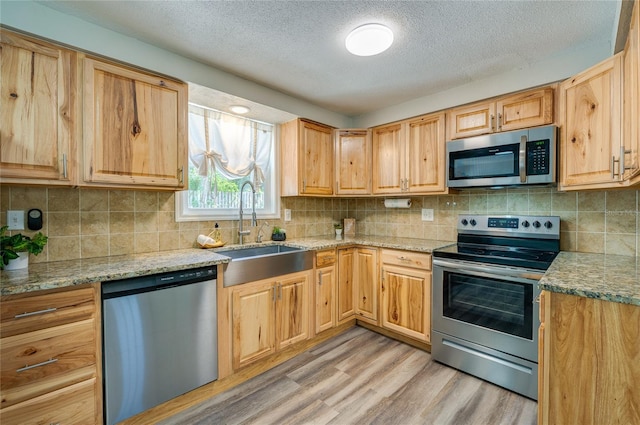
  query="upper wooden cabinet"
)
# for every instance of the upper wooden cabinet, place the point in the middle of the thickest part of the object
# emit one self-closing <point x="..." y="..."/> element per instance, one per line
<point x="353" y="162"/>
<point x="631" y="122"/>
<point x="521" y="110"/>
<point x="590" y="127"/>
<point x="36" y="118"/>
<point x="409" y="156"/>
<point x="135" y="128"/>
<point x="307" y="158"/>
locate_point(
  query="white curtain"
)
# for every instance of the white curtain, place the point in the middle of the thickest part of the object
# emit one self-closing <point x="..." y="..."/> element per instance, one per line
<point x="230" y="145"/>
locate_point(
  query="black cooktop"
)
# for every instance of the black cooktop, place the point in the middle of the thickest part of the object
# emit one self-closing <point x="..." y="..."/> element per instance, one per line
<point x="499" y="254"/>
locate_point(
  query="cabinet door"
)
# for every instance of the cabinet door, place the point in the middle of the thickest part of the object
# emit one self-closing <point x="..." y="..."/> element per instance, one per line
<point x="522" y="110"/>
<point x="353" y="162"/>
<point x="316" y="159"/>
<point x="388" y="159"/>
<point x="134" y="128"/>
<point x="365" y="276"/>
<point x="325" y="298"/>
<point x="36" y="117"/>
<point x="346" y="294"/>
<point x="631" y="121"/>
<point x="253" y="312"/>
<point x="425" y="154"/>
<point x="72" y="405"/>
<point x="590" y="125"/>
<point x="405" y="301"/>
<point x="292" y="319"/>
<point x="471" y="120"/>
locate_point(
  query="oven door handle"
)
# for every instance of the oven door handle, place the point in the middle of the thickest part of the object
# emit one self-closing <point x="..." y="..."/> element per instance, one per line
<point x="500" y="271"/>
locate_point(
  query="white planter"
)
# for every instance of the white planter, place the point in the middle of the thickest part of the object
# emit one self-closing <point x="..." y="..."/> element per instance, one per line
<point x="338" y="233"/>
<point x="22" y="262"/>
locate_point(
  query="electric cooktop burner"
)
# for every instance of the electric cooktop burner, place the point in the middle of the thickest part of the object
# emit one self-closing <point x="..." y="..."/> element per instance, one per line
<point x="519" y="241"/>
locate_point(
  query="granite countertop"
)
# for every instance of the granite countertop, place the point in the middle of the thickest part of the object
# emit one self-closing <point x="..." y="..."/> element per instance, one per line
<point x="606" y="277"/>
<point x="58" y="274"/>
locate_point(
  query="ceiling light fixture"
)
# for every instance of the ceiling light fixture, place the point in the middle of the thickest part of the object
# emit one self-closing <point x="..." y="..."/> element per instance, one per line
<point x="239" y="109"/>
<point x="369" y="40"/>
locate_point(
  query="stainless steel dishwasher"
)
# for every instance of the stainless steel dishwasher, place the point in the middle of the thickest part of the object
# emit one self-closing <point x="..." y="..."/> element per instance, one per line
<point x="159" y="339"/>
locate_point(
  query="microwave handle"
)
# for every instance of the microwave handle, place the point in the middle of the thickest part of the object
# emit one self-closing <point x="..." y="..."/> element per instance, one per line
<point x="523" y="159"/>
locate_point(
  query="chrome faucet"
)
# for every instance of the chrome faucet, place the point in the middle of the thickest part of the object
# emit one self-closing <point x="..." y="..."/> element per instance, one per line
<point x="254" y="220"/>
<point x="259" y="235"/>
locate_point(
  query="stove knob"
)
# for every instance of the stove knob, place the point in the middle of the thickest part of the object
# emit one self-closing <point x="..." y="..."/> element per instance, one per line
<point x="548" y="225"/>
<point x="536" y="224"/>
<point x="464" y="222"/>
<point x="473" y="222"/>
<point x="525" y="224"/>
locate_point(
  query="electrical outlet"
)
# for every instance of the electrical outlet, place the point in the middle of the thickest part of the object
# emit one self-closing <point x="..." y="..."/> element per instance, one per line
<point x="15" y="219"/>
<point x="427" y="214"/>
<point x="287" y="215"/>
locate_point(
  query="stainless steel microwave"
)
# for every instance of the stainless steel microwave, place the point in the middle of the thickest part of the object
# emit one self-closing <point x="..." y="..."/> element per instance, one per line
<point x="511" y="158"/>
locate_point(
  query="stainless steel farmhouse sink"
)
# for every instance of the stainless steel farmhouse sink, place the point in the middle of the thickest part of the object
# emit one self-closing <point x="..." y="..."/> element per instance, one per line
<point x="262" y="262"/>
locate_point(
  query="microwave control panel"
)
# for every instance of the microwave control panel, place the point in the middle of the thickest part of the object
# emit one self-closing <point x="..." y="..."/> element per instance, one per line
<point x="538" y="158"/>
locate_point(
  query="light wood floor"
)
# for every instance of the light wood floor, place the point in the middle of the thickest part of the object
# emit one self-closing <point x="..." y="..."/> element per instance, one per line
<point x="361" y="377"/>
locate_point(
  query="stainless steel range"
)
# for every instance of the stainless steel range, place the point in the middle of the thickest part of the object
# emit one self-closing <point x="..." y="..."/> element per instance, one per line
<point x="485" y="311"/>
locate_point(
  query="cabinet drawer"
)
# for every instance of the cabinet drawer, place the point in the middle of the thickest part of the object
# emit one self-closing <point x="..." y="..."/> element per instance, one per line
<point x="325" y="258"/>
<point x="407" y="258"/>
<point x="74" y="404"/>
<point x="27" y="313"/>
<point x="46" y="360"/>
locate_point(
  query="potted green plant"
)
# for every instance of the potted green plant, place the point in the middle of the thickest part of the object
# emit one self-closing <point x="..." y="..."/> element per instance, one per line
<point x="338" y="228"/>
<point x="278" y="234"/>
<point x="15" y="249"/>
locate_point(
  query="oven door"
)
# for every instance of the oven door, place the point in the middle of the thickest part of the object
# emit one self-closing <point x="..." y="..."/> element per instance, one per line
<point x="489" y="305"/>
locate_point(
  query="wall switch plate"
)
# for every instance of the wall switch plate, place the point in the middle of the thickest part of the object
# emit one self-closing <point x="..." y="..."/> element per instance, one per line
<point x="427" y="214"/>
<point x="287" y="215"/>
<point x="15" y="219"/>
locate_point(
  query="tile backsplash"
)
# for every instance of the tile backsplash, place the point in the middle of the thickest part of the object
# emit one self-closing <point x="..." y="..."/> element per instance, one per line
<point x="84" y="223"/>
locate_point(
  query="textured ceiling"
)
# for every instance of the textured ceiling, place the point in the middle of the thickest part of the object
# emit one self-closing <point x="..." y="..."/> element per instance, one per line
<point x="297" y="47"/>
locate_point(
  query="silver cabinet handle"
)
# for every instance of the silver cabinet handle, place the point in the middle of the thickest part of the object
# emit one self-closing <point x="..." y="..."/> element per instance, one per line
<point x="181" y="175"/>
<point x="64" y="165"/>
<point x="523" y="158"/>
<point x="35" y="313"/>
<point x="22" y="369"/>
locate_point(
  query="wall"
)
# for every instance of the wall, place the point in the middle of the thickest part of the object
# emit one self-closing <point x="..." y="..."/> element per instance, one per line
<point x="84" y="223"/>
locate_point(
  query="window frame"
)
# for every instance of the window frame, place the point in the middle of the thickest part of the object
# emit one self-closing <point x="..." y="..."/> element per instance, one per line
<point x="272" y="204"/>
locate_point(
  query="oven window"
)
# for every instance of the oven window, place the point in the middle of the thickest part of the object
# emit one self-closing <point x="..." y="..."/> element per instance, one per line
<point x="501" y="305"/>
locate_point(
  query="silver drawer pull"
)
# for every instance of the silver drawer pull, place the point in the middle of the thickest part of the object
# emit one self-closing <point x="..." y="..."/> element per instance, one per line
<point x="22" y="369"/>
<point x="35" y="313"/>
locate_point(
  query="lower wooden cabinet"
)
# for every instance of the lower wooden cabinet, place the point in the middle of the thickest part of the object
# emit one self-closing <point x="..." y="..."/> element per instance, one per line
<point x="325" y="290"/>
<point x="358" y="284"/>
<point x="269" y="315"/>
<point x="70" y="405"/>
<point x="406" y="293"/>
<point x="589" y="365"/>
<point x="49" y="356"/>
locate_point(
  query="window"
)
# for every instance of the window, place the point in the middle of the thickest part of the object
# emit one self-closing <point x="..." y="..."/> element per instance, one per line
<point x="225" y="152"/>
